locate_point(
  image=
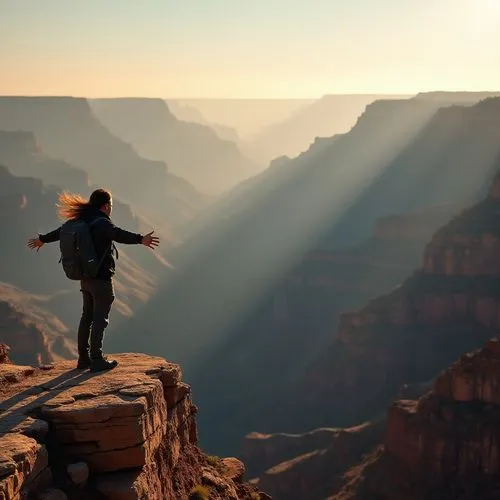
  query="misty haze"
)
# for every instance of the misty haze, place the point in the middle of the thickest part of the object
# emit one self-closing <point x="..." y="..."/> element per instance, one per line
<point x="250" y="250"/>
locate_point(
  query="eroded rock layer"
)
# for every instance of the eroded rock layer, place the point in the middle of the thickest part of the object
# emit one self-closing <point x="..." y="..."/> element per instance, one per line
<point x="133" y="429"/>
<point x="446" y="445"/>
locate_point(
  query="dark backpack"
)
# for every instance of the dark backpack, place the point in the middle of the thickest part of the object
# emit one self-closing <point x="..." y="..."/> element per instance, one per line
<point x="78" y="255"/>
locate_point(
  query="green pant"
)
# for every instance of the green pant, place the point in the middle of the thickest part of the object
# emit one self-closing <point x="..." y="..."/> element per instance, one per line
<point x="98" y="296"/>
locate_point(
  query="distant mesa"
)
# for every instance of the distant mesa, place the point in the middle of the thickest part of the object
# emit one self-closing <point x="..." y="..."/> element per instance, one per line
<point x="75" y="135"/>
<point x="326" y="117"/>
<point x="189" y="113"/>
<point x="246" y="116"/>
<point x="456" y="97"/>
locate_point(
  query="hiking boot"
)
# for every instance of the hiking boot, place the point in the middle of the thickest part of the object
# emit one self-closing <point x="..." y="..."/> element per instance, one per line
<point x="102" y="364"/>
<point x="83" y="363"/>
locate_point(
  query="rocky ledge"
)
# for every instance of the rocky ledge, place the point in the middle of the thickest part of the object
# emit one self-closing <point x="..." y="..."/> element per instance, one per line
<point x="125" y="434"/>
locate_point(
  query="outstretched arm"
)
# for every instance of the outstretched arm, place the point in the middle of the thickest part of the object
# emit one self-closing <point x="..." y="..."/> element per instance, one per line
<point x="50" y="237"/>
<point x="120" y="235"/>
<point x="44" y="238"/>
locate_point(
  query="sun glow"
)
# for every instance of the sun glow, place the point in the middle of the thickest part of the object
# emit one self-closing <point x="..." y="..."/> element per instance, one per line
<point x="493" y="5"/>
<point x="483" y="13"/>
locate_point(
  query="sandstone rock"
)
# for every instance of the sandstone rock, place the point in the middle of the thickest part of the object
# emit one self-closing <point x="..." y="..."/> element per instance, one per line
<point x="79" y="473"/>
<point x="116" y="425"/>
<point x="445" y="445"/>
<point x="10" y="373"/>
<point x="234" y="469"/>
<point x="31" y="427"/>
<point x="28" y="329"/>
<point x="113" y="421"/>
<point x="23" y="466"/>
<point x="215" y="481"/>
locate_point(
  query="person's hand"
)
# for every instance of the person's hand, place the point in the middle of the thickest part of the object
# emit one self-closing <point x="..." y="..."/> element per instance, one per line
<point x="35" y="243"/>
<point x="150" y="241"/>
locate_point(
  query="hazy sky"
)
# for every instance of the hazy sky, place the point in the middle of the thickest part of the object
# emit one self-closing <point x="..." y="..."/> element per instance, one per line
<point x="247" y="48"/>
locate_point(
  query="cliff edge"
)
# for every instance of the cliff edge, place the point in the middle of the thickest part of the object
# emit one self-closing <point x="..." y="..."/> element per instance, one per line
<point x="446" y="444"/>
<point x="126" y="434"/>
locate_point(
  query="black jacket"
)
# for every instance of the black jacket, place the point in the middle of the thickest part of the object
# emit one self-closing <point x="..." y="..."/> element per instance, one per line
<point x="104" y="233"/>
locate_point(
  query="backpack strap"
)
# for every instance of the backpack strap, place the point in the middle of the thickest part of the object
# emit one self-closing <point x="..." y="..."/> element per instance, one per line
<point x="111" y="247"/>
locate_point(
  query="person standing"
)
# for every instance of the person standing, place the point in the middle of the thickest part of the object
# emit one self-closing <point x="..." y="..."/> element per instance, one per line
<point x="98" y="291"/>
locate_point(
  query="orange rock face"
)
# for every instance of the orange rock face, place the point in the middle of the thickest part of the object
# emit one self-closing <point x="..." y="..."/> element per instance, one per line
<point x="463" y="255"/>
<point x="22" y="462"/>
<point x="447" y="444"/>
<point x="34" y="335"/>
<point x="134" y="427"/>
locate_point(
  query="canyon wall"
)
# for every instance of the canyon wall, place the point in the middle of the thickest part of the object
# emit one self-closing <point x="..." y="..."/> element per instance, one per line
<point x="34" y="335"/>
<point x="446" y="445"/>
<point x="447" y="307"/>
<point x="74" y="135"/>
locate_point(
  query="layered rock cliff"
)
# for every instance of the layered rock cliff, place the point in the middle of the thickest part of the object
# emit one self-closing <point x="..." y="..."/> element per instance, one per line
<point x="442" y="446"/>
<point x="447" y="307"/>
<point x="35" y="335"/>
<point x="126" y="434"/>
<point x="374" y="266"/>
<point x="445" y="445"/>
<point x="312" y="465"/>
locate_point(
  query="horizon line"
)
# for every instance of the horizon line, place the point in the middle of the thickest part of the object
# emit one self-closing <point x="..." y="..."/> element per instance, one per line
<point x="246" y="98"/>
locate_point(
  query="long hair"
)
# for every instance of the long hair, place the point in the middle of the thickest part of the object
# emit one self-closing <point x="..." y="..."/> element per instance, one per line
<point x="72" y="205"/>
